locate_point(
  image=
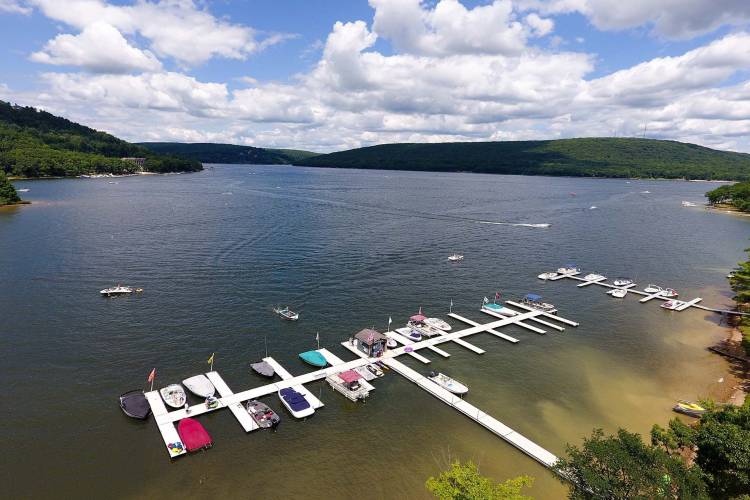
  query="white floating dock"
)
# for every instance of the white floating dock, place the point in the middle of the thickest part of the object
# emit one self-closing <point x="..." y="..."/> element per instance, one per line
<point x="493" y="332"/>
<point x="652" y="296"/>
<point x="688" y="304"/>
<point x="166" y="428"/>
<point x="237" y="409"/>
<point x="542" y="313"/>
<point x="281" y="371"/>
<point x="591" y="282"/>
<point x="519" y="323"/>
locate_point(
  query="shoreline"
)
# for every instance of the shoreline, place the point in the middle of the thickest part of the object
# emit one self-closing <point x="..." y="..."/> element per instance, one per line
<point x="737" y="370"/>
<point x="726" y="209"/>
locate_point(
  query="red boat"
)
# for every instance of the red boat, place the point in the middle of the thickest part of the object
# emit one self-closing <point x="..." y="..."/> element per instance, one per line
<point x="193" y="435"/>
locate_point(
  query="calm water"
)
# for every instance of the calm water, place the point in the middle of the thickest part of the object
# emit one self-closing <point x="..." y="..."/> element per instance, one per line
<point x="216" y="250"/>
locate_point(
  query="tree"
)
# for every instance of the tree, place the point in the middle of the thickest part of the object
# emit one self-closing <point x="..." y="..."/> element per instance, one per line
<point x="623" y="466"/>
<point x="8" y="194"/>
<point x="464" y="482"/>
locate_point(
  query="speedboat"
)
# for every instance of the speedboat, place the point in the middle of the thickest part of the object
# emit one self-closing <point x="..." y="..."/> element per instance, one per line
<point x="497" y="309"/>
<point x="375" y="370"/>
<point x="672" y="304"/>
<point x="618" y="293"/>
<point x="623" y="282"/>
<point x="286" y="313"/>
<point x="423" y="328"/>
<point x="26" y="190"/>
<point x="688" y="204"/>
<point x="117" y="290"/>
<point x="569" y="269"/>
<point x="263" y="415"/>
<point x="391" y="344"/>
<point x="193" y="435"/>
<point x="200" y="386"/>
<point x="438" y="323"/>
<point x="448" y="383"/>
<point x="295" y="403"/>
<point x="313" y="358"/>
<point x="409" y="333"/>
<point x="689" y="408"/>
<point x="594" y="277"/>
<point x="547" y="276"/>
<point x="670" y="293"/>
<point x="535" y="302"/>
<point x="174" y="395"/>
<point x="455" y="257"/>
<point x="653" y="289"/>
<point x="135" y="405"/>
<point x="263" y="368"/>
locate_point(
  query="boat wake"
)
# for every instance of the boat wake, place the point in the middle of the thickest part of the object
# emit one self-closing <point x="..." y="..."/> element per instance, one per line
<point x="515" y="224"/>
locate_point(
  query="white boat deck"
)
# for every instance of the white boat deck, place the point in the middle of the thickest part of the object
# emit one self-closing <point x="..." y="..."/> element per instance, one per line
<point x="688" y="304"/>
<point x="591" y="282"/>
<point x="566" y="275"/>
<point x="237" y="409"/>
<point x="493" y="332"/>
<point x="542" y="313"/>
<point x="281" y="371"/>
<point x="166" y="427"/>
<point x="519" y="323"/>
<point x="406" y="341"/>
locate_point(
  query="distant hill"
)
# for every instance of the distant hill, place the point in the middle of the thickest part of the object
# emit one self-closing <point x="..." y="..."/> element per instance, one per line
<point x="589" y="157"/>
<point x="35" y="143"/>
<point x="229" y="153"/>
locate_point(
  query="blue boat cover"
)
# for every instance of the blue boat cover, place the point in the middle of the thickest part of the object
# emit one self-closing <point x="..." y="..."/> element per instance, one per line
<point x="314" y="358"/>
<point x="295" y="400"/>
<point x="533" y="297"/>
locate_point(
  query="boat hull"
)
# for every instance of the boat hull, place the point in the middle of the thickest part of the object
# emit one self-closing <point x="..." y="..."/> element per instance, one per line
<point x="135" y="405"/>
<point x="174" y="395"/>
<point x="200" y="386"/>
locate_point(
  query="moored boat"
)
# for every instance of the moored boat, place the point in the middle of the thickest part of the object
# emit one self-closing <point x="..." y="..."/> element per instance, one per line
<point x="409" y="333"/>
<point x="263" y="368"/>
<point x="375" y="370"/>
<point x="568" y="269"/>
<point x="135" y="405"/>
<point x="623" y="282"/>
<point x="672" y="304"/>
<point x="670" y="293"/>
<point x="193" y="435"/>
<point x="391" y="344"/>
<point x="295" y="402"/>
<point x="174" y="395"/>
<point x="618" y="293"/>
<point x="448" y="383"/>
<point x="423" y="328"/>
<point x="438" y="323"/>
<point x="200" y="386"/>
<point x="286" y="313"/>
<point x="313" y="358"/>
<point x="594" y="277"/>
<point x="349" y="383"/>
<point x="653" y="288"/>
<point x="689" y="408"/>
<point x="548" y="276"/>
<point x="263" y="415"/>
<point x="535" y="302"/>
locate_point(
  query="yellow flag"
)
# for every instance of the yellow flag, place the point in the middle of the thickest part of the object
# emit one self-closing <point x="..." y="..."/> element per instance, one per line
<point x="211" y="359"/>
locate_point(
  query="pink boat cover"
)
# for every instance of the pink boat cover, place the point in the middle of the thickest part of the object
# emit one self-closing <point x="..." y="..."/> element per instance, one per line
<point x="418" y="317"/>
<point x="349" y="376"/>
<point x="193" y="435"/>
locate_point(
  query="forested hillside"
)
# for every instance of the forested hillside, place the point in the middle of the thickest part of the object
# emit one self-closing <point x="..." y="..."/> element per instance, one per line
<point x="229" y="153"/>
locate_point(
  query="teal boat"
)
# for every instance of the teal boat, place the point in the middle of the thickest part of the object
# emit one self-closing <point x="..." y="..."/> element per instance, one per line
<point x="313" y="358"/>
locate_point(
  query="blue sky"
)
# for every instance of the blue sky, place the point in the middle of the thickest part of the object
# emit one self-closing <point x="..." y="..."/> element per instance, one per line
<point x="334" y="74"/>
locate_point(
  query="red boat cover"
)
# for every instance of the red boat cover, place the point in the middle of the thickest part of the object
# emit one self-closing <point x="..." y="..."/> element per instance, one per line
<point x="193" y="435"/>
<point x="418" y="317"/>
<point x="349" y="376"/>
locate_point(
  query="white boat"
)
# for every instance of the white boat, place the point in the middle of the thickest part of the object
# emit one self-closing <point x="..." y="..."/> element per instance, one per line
<point x="375" y="370"/>
<point x="295" y="402"/>
<point x="23" y="190"/>
<point x="669" y="293"/>
<point x="618" y="293"/>
<point x="174" y="395"/>
<point x="672" y="304"/>
<point x="117" y="290"/>
<point x="653" y="289"/>
<point x="535" y="302"/>
<point x="547" y="276"/>
<point x="200" y="386"/>
<point x="286" y="313"/>
<point x="448" y="383"/>
<point x="569" y="269"/>
<point x="594" y="277"/>
<point x="350" y="384"/>
<point x="409" y="333"/>
<point x="688" y="204"/>
<point x="391" y="344"/>
<point x="623" y="282"/>
<point x="497" y="309"/>
<point x="438" y="323"/>
<point x="455" y="257"/>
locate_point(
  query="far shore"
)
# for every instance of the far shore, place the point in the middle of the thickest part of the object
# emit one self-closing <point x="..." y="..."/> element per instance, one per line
<point x="90" y="176"/>
<point x="726" y="209"/>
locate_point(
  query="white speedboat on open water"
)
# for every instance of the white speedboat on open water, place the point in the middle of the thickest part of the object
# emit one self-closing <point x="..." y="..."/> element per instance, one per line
<point x="117" y="290"/>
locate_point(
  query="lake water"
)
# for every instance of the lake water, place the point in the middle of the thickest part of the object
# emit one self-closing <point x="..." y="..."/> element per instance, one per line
<point x="216" y="250"/>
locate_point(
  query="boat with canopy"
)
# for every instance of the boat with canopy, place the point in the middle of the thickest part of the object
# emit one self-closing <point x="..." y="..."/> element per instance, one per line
<point x="348" y="383"/>
<point x="535" y="302"/>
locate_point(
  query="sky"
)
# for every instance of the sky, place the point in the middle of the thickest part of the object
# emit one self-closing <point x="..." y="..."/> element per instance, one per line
<point x="327" y="75"/>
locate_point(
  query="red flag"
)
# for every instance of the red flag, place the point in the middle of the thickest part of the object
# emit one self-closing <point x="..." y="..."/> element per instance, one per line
<point x="152" y="375"/>
<point x="497" y="295"/>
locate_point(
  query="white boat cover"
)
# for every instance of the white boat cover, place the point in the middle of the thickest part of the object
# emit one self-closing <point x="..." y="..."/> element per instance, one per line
<point x="200" y="386"/>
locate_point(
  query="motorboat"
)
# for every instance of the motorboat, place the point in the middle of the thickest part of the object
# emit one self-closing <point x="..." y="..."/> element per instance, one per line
<point x="193" y="435"/>
<point x="423" y="328"/>
<point x="594" y="277"/>
<point x="263" y="368"/>
<point x="455" y="257"/>
<point x="689" y="408"/>
<point x="25" y="190"/>
<point x="410" y="334"/>
<point x="135" y="405"/>
<point x="200" y="386"/>
<point x="263" y="415"/>
<point x="653" y="289"/>
<point x="688" y="204"/>
<point x="669" y="293"/>
<point x="623" y="282"/>
<point x="174" y="395"/>
<point x="438" y="323"/>
<point x="496" y="308"/>
<point x="350" y="384"/>
<point x="672" y="304"/>
<point x="535" y="302"/>
<point x="618" y="293"/>
<point x="375" y="370"/>
<point x="448" y="383"/>
<point x="313" y="358"/>
<point x="212" y="402"/>
<point x="391" y="344"/>
<point x="286" y="313"/>
<point x="295" y="402"/>
<point x="117" y="290"/>
<point x="568" y="269"/>
<point x="547" y="276"/>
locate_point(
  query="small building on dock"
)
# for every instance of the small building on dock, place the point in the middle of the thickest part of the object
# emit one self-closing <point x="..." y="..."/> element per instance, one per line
<point x="371" y="342"/>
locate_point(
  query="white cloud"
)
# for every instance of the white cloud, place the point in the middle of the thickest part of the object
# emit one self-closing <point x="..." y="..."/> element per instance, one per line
<point x="173" y="28"/>
<point x="14" y="7"/>
<point x="539" y="26"/>
<point x="99" y="48"/>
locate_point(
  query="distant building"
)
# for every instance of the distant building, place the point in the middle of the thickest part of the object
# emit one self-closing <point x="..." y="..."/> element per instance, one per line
<point x="138" y="162"/>
<point x="371" y="342"/>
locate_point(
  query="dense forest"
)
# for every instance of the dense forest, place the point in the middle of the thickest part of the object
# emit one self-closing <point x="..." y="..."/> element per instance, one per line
<point x="35" y="143"/>
<point x="229" y="153"/>
<point x="8" y="194"/>
<point x="590" y="157"/>
<point x="736" y="195"/>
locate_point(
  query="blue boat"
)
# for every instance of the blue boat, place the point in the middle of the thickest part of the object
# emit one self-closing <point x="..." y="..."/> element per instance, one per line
<point x="313" y="358"/>
<point x="295" y="403"/>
